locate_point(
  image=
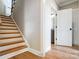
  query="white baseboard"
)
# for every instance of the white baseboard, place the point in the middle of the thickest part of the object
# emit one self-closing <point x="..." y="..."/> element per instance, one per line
<point x="48" y="49"/>
<point x="38" y="53"/>
<point x="13" y="54"/>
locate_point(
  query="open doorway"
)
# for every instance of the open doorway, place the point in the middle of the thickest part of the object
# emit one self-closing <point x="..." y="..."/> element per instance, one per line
<point x="7" y="7"/>
<point x="54" y="25"/>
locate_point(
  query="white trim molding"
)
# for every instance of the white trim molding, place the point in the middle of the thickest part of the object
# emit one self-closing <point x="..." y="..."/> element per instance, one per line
<point x="38" y="53"/>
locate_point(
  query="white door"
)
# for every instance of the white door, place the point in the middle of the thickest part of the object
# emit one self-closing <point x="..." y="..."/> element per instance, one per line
<point x="64" y="27"/>
<point x="8" y="6"/>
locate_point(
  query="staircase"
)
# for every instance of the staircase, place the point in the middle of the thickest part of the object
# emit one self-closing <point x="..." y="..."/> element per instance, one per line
<point x="11" y="40"/>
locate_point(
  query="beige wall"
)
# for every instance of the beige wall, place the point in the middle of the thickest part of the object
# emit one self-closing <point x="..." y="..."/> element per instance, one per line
<point x="27" y="16"/>
<point x="72" y="5"/>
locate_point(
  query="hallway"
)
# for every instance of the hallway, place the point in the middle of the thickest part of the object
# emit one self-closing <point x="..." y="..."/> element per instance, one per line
<point x="25" y="29"/>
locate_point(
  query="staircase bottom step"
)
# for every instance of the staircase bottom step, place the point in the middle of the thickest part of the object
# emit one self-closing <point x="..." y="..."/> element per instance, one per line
<point x="11" y="50"/>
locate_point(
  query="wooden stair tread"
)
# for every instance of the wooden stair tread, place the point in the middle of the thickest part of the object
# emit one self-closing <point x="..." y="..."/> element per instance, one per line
<point x="12" y="50"/>
<point x="8" y="22"/>
<point x="11" y="43"/>
<point x="8" y="25"/>
<point x="6" y="17"/>
<point x="10" y="33"/>
<point x="2" y="16"/>
<point x="8" y="29"/>
<point x="10" y="37"/>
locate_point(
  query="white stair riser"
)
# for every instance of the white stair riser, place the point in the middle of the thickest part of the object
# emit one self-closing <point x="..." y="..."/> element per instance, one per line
<point x="10" y="40"/>
<point x="8" y="35"/>
<point x="4" y="31"/>
<point x="11" y="46"/>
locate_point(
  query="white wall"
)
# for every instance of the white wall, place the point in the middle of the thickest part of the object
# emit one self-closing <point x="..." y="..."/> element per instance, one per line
<point x="5" y="7"/>
<point x="76" y="26"/>
<point x="8" y="6"/>
<point x="46" y="25"/>
<point x="54" y="5"/>
<point x="27" y="16"/>
<point x="2" y="7"/>
<point x="32" y="23"/>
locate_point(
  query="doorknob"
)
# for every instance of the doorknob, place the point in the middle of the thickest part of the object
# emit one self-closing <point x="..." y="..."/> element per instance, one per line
<point x="70" y="28"/>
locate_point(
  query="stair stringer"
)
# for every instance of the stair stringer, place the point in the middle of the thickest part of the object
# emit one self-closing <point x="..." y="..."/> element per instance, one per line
<point x="21" y="33"/>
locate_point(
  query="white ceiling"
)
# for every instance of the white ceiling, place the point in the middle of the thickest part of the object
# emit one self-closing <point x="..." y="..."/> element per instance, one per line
<point x="61" y="3"/>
